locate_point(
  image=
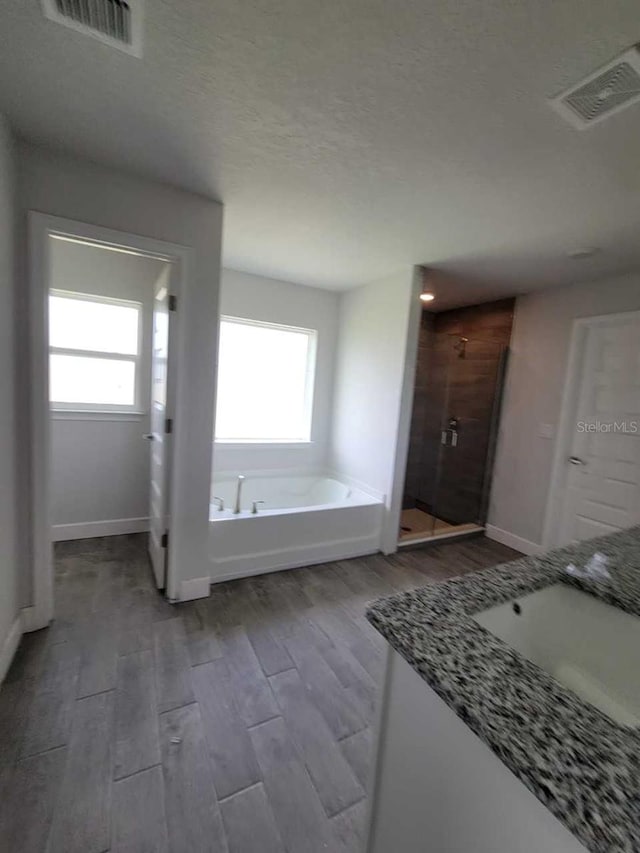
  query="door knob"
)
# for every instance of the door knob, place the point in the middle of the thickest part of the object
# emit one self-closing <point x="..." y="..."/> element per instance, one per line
<point x="575" y="460"/>
<point x="148" y="436"/>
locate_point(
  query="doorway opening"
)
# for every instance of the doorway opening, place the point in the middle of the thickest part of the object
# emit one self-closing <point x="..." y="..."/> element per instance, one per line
<point x="104" y="388"/>
<point x="107" y="333"/>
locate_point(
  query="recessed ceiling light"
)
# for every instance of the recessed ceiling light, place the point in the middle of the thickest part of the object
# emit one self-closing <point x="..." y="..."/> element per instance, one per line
<point x="427" y="297"/>
<point x="581" y="254"/>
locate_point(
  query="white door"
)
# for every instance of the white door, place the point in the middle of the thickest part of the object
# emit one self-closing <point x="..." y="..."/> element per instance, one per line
<point x="161" y="428"/>
<point x="602" y="463"/>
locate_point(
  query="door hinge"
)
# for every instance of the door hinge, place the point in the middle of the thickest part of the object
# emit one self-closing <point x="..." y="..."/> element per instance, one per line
<point x="164" y="541"/>
<point x="173" y="302"/>
<point x="168" y="426"/>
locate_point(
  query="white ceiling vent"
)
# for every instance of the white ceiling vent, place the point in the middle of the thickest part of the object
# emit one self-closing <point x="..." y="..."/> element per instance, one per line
<point x="605" y="92"/>
<point x="117" y="23"/>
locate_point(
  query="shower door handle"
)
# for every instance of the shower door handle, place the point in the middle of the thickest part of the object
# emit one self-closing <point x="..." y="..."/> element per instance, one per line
<point x="449" y="437"/>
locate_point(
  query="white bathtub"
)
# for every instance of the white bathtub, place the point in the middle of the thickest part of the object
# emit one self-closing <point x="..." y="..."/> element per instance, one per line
<point x="303" y="520"/>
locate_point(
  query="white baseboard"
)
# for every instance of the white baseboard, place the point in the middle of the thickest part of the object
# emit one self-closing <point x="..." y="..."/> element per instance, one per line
<point x="32" y="620"/>
<point x="9" y="646"/>
<point x="92" y="529"/>
<point x="195" y="588"/>
<point x="513" y="541"/>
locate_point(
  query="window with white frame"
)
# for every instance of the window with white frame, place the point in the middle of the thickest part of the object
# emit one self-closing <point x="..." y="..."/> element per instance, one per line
<point x="265" y="382"/>
<point x="94" y="352"/>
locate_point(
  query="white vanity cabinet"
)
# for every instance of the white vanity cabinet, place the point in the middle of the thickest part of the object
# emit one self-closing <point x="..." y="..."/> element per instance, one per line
<point x="438" y="788"/>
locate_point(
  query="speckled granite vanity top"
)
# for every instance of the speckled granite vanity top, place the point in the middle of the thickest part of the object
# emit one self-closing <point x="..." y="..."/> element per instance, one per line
<point x="581" y="765"/>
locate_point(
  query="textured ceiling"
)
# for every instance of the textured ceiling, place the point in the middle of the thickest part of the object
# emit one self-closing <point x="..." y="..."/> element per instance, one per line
<point x="349" y="138"/>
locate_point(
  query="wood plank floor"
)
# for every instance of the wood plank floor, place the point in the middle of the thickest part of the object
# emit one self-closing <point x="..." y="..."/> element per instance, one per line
<point x="240" y="723"/>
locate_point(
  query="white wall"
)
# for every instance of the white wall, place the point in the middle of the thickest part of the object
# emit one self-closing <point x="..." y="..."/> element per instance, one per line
<point x="375" y="344"/>
<point x="533" y="397"/>
<point x="76" y="189"/>
<point x="256" y="298"/>
<point x="9" y="567"/>
<point x="100" y="462"/>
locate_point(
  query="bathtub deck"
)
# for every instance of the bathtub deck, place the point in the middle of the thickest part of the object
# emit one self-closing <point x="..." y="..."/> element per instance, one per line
<point x="238" y="723"/>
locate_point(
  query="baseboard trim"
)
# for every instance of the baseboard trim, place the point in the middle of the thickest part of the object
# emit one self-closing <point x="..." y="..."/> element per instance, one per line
<point x="513" y="541"/>
<point x="92" y="529"/>
<point x="32" y="620"/>
<point x="10" y="645"/>
<point x="195" y="588"/>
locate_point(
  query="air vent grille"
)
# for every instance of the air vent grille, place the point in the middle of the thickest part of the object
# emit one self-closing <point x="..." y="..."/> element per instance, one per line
<point x="114" y="22"/>
<point x="110" y="17"/>
<point x="604" y="93"/>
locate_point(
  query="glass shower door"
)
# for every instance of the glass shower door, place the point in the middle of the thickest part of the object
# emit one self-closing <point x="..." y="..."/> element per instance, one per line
<point x="453" y="433"/>
<point x="456" y="410"/>
<point x="468" y="429"/>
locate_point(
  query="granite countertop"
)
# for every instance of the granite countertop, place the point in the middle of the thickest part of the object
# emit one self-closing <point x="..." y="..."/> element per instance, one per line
<point x="584" y="767"/>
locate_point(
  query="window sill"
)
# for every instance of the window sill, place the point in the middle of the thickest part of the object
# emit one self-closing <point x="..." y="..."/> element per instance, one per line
<point x="106" y="415"/>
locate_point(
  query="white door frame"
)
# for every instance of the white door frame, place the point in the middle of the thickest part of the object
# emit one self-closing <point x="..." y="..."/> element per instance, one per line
<point x="391" y="523"/>
<point x="557" y="483"/>
<point x="42" y="225"/>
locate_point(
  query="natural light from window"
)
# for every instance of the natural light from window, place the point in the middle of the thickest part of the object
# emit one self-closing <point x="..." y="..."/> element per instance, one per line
<point x="94" y="352"/>
<point x="265" y="382"/>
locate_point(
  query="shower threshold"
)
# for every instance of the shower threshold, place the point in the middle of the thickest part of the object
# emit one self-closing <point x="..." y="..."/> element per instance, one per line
<point x="417" y="527"/>
<point x="454" y="533"/>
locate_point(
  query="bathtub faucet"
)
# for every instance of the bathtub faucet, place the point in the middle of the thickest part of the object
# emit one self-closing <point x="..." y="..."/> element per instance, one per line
<point x="236" y="508"/>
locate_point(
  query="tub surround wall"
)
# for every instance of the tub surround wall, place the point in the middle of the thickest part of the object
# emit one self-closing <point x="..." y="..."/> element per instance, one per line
<point x="254" y="297"/>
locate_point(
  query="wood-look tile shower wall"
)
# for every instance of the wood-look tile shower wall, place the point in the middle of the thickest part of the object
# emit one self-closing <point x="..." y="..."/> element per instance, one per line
<point x="449" y="482"/>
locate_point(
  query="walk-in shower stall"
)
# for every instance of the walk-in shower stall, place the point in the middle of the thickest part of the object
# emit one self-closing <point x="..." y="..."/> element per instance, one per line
<point x="461" y="365"/>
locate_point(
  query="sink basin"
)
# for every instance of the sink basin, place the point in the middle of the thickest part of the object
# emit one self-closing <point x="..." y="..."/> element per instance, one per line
<point x="588" y="646"/>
